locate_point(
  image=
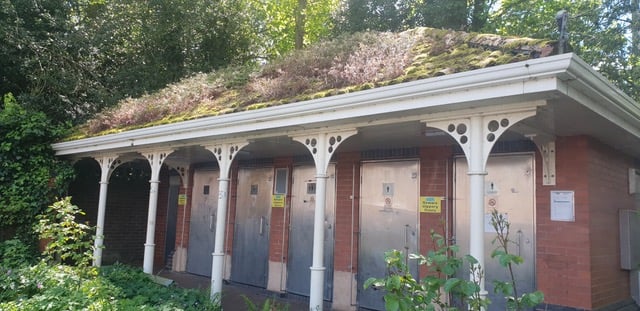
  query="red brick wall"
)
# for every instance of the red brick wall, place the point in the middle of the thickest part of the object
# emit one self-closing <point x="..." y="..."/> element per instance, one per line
<point x="278" y="233"/>
<point x="161" y="220"/>
<point x="578" y="262"/>
<point x="347" y="185"/>
<point x="231" y="211"/>
<point x="608" y="193"/>
<point x="435" y="165"/>
<point x="125" y="214"/>
<point x="563" y="264"/>
<point x="183" y="217"/>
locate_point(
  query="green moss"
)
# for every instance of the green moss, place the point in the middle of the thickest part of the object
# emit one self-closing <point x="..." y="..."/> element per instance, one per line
<point x="289" y="79"/>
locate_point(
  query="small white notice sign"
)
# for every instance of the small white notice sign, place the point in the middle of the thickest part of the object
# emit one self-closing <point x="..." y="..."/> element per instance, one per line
<point x="563" y="206"/>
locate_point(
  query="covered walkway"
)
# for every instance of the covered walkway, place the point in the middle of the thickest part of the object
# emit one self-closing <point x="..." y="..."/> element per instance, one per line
<point x="232" y="294"/>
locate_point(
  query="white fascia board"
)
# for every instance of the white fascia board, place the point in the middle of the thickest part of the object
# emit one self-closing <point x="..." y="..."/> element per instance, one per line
<point x="592" y="90"/>
<point x="516" y="79"/>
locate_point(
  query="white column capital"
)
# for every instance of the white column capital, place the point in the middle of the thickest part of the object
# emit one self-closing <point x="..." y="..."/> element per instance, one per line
<point x="322" y="145"/>
<point x="224" y="153"/>
<point x="156" y="157"/>
<point x="182" y="167"/>
<point x="108" y="164"/>
<point x="489" y="127"/>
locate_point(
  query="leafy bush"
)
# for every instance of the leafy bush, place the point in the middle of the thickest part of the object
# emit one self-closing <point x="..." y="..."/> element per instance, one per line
<point x="59" y="287"/>
<point x="440" y="286"/>
<point x="404" y="292"/>
<point x="14" y="254"/>
<point x="507" y="260"/>
<point x="67" y="239"/>
<point x="30" y="175"/>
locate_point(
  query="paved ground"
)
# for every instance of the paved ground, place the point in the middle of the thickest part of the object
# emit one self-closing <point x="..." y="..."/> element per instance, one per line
<point x="233" y="294"/>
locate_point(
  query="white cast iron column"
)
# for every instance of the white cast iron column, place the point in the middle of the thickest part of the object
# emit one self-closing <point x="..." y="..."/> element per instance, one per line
<point x="108" y="164"/>
<point x="155" y="160"/>
<point x="476" y="134"/>
<point x="224" y="153"/>
<point x="322" y="147"/>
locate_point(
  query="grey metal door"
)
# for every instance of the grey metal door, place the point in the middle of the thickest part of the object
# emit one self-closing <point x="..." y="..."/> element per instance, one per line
<point x="300" y="258"/>
<point x="388" y="220"/>
<point x="251" y="234"/>
<point x="204" y="205"/>
<point x="172" y="214"/>
<point x="509" y="188"/>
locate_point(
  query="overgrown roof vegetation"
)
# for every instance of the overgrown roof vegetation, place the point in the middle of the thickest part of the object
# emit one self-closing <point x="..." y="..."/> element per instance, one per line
<point x="345" y="64"/>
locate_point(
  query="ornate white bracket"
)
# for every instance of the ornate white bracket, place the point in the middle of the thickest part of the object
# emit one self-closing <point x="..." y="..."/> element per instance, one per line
<point x="225" y="153"/>
<point x="183" y="170"/>
<point x="323" y="145"/>
<point x="108" y="164"/>
<point x="547" y="148"/>
<point x="156" y="158"/>
<point x="489" y="126"/>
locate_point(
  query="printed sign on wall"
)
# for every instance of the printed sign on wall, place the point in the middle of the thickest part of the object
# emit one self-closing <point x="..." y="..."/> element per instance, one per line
<point x="277" y="200"/>
<point x="431" y="204"/>
<point x="182" y="199"/>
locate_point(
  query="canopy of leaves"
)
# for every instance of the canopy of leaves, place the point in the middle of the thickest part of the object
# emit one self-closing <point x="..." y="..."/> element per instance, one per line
<point x="73" y="59"/>
<point x="30" y="176"/>
<point x="345" y="64"/>
<point x="599" y="32"/>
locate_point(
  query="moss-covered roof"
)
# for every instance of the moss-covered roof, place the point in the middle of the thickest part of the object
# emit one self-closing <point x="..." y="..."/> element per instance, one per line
<point x="346" y="64"/>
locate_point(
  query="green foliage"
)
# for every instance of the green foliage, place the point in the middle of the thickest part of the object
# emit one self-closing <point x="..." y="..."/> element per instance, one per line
<point x="68" y="240"/>
<point x="277" y="20"/>
<point x="599" y="32"/>
<point x="404" y="292"/>
<point x="440" y="286"/>
<point x="30" y="175"/>
<point x="507" y="260"/>
<point x="14" y="253"/>
<point x="267" y="305"/>
<point x="71" y="60"/>
<point x="118" y="287"/>
<point x="382" y="15"/>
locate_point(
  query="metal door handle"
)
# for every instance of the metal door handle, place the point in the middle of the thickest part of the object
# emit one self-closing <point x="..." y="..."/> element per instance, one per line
<point x="519" y="233"/>
<point x="211" y="217"/>
<point x="406" y="245"/>
<point x="406" y="237"/>
<point x="261" y="225"/>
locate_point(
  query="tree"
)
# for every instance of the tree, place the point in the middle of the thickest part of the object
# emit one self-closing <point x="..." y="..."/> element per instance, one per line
<point x="599" y="32"/>
<point x="71" y="60"/>
<point x="46" y="61"/>
<point x="145" y="45"/>
<point x="30" y="175"/>
<point x="381" y="15"/>
<point x="285" y="25"/>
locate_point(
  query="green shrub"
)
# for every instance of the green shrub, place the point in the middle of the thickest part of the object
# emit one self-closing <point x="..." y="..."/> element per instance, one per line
<point x="118" y="287"/>
<point x="404" y="292"/>
<point x="14" y="253"/>
<point x="30" y="175"/>
<point x="68" y="240"/>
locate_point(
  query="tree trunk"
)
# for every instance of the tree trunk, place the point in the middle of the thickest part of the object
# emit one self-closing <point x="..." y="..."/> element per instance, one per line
<point x="300" y="24"/>
<point x="635" y="27"/>
<point x="478" y="15"/>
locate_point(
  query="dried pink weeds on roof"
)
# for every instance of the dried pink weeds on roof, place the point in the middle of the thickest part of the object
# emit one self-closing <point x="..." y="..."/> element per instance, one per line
<point x="324" y="69"/>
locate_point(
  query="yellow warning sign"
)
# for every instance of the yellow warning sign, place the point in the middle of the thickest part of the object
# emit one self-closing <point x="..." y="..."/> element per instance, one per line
<point x="182" y="199"/>
<point x="277" y="200"/>
<point x="431" y="204"/>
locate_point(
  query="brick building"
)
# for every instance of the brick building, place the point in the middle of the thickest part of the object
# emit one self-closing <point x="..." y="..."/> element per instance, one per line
<point x="304" y="198"/>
